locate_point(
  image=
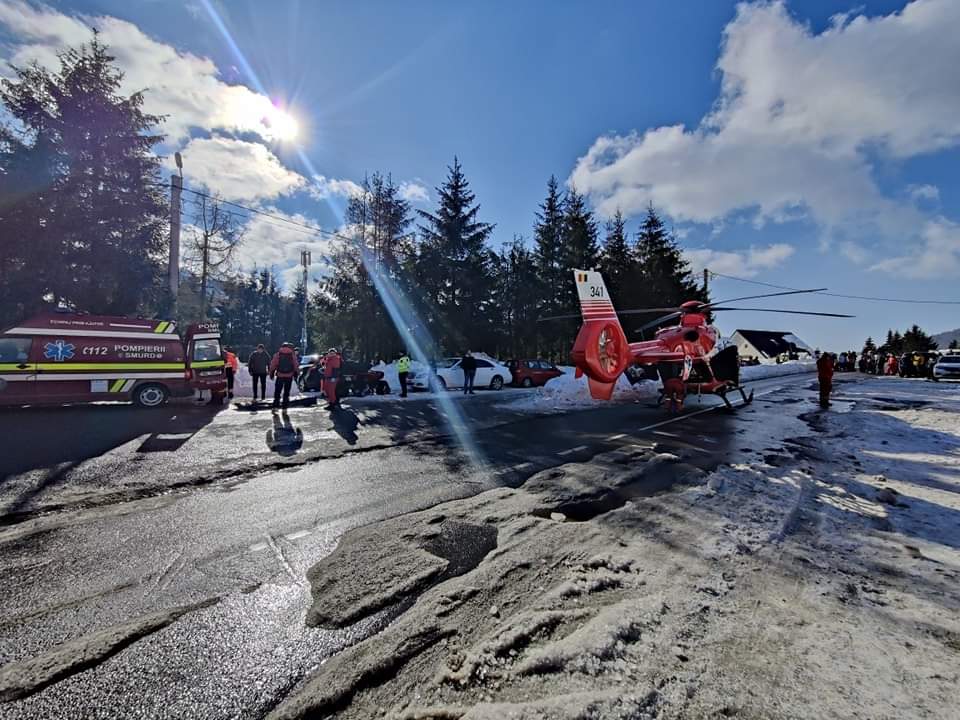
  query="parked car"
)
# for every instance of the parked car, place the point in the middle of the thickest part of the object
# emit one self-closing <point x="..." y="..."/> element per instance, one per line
<point x="490" y="374"/>
<point x="947" y="368"/>
<point x="530" y="373"/>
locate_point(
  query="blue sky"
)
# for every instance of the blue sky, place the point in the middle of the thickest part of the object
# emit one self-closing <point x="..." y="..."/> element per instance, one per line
<point x="804" y="144"/>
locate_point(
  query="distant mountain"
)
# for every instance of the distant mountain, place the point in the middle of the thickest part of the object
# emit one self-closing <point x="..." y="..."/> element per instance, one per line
<point x="943" y="339"/>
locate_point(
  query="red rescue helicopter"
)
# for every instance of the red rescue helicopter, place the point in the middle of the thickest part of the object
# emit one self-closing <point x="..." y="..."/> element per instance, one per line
<point x="688" y="357"/>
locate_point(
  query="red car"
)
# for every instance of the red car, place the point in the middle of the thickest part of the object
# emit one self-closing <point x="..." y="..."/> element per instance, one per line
<point x="528" y="373"/>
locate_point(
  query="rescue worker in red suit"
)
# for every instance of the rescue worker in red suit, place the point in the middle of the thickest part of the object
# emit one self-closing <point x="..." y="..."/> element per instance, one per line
<point x="331" y="373"/>
<point x="283" y="368"/>
<point x="825" y="377"/>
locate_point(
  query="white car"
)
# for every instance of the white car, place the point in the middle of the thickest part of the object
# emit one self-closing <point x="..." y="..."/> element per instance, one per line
<point x="947" y="368"/>
<point x="490" y="374"/>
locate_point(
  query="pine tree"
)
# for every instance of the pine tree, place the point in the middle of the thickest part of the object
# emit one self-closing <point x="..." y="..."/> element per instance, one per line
<point x="868" y="346"/>
<point x="954" y="344"/>
<point x="916" y="340"/>
<point x="86" y="216"/>
<point x="517" y="290"/>
<point x="456" y="265"/>
<point x="580" y="248"/>
<point x="553" y="276"/>
<point x="663" y="277"/>
<point x="617" y="260"/>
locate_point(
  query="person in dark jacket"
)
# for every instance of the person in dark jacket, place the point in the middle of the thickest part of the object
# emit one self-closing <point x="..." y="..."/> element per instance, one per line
<point x="468" y="364"/>
<point x="258" y="364"/>
<point x="283" y="368"/>
<point x="825" y="367"/>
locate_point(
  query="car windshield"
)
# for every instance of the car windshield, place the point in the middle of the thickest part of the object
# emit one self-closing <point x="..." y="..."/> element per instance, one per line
<point x="950" y="360"/>
<point x="206" y="350"/>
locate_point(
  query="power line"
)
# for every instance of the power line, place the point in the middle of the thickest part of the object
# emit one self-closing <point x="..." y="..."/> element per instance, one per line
<point x="304" y="228"/>
<point x="840" y="295"/>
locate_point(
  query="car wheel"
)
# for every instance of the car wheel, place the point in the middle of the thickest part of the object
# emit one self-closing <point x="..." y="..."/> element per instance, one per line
<point x="496" y="383"/>
<point x="526" y="382"/>
<point x="441" y="383"/>
<point x="151" y="395"/>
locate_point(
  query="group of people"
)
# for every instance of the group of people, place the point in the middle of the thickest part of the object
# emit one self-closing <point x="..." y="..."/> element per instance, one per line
<point x="283" y="367"/>
<point x="916" y="364"/>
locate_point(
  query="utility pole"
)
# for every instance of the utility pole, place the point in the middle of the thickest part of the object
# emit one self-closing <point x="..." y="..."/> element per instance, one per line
<point x="176" y="190"/>
<point x="305" y="259"/>
<point x="706" y="283"/>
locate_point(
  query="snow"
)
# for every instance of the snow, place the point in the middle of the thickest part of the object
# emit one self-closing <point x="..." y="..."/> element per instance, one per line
<point x="791" y="367"/>
<point x="812" y="577"/>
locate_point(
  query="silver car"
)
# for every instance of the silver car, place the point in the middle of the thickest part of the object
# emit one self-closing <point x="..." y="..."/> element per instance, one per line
<point x="947" y="368"/>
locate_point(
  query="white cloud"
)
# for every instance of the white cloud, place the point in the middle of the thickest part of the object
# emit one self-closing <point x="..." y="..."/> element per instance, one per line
<point x="270" y="243"/>
<point x="930" y="193"/>
<point x="740" y="263"/>
<point x="937" y="255"/>
<point x="238" y="170"/>
<point x="799" y="120"/>
<point x="854" y="252"/>
<point x="183" y="86"/>
<point x="324" y="188"/>
<point x="414" y="192"/>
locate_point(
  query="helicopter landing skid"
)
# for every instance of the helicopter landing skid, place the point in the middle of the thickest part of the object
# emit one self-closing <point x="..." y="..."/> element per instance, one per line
<point x="747" y="399"/>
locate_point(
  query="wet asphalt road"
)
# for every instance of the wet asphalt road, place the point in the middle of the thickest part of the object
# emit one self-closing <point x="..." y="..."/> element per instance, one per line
<point x="245" y="543"/>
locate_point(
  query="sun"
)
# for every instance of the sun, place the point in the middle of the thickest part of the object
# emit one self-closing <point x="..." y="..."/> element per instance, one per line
<point x="280" y="124"/>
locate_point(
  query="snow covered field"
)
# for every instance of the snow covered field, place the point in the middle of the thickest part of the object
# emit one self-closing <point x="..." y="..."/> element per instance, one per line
<point x="814" y="575"/>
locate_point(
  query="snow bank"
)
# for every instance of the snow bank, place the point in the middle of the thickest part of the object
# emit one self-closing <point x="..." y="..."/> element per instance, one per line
<point x="791" y="367"/>
<point x="568" y="392"/>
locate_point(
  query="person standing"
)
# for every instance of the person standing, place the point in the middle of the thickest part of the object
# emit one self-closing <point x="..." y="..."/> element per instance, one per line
<point x="331" y="375"/>
<point x="231" y="367"/>
<point x="258" y="365"/>
<point x="403" y="370"/>
<point x="469" y="366"/>
<point x="825" y="377"/>
<point x="283" y="368"/>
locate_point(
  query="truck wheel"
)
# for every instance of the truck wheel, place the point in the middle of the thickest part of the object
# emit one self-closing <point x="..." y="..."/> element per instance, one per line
<point x="527" y="382"/>
<point x="496" y="383"/>
<point x="150" y="395"/>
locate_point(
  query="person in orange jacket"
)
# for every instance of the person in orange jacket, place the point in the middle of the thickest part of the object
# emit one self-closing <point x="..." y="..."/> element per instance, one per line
<point x="331" y="374"/>
<point x="232" y="367"/>
<point x="283" y="368"/>
<point x="825" y="377"/>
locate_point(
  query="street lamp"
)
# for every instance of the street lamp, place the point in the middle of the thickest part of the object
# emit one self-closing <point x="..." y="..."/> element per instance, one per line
<point x="305" y="259"/>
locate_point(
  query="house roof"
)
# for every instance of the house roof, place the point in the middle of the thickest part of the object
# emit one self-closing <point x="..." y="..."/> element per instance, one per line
<point x="771" y="343"/>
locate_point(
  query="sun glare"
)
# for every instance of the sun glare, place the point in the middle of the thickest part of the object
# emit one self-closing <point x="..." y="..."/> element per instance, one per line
<point x="281" y="124"/>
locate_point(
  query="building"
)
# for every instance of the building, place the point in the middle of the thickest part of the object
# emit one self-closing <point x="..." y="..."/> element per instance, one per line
<point x="770" y="346"/>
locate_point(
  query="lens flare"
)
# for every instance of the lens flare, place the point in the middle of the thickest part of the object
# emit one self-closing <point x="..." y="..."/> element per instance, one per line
<point x="280" y="124"/>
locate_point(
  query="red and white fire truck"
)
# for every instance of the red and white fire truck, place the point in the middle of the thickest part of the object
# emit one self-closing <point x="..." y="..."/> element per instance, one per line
<point x="59" y="358"/>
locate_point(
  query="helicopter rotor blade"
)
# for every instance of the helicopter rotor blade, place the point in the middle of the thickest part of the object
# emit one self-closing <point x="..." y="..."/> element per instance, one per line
<point x="789" y="312"/>
<point x="757" y="297"/>
<point x="658" y="321"/>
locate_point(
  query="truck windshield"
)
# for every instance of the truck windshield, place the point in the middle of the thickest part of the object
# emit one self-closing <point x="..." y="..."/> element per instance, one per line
<point x="204" y="350"/>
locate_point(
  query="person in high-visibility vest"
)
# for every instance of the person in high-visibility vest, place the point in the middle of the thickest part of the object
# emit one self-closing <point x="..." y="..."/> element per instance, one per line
<point x="403" y="370"/>
<point x="232" y="367"/>
<point x="331" y="374"/>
